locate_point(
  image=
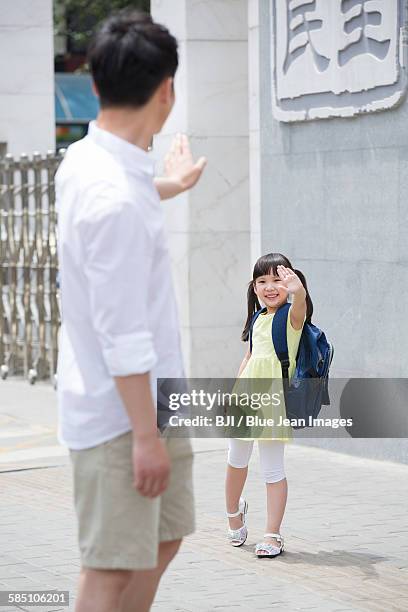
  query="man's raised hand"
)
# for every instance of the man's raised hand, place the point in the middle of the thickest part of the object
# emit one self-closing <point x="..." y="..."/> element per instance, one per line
<point x="180" y="170"/>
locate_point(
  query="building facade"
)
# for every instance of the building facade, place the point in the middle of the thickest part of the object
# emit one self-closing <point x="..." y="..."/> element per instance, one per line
<point x="313" y="169"/>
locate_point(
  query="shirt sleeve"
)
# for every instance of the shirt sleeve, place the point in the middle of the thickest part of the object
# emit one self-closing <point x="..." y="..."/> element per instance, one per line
<point x="118" y="253"/>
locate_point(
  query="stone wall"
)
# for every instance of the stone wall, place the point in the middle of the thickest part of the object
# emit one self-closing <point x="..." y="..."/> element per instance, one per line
<point x="333" y="198"/>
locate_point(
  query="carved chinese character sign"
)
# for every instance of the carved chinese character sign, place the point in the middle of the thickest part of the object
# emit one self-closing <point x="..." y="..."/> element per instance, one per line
<point x="336" y="57"/>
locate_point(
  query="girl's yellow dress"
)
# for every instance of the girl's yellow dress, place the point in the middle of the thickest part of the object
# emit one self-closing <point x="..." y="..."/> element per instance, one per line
<point x="264" y="364"/>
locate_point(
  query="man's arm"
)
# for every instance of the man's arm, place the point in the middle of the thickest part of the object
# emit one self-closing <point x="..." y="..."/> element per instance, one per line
<point x="150" y="460"/>
<point x="180" y="171"/>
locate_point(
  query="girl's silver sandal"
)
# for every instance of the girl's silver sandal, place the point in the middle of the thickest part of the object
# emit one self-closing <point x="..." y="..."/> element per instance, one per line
<point x="237" y="537"/>
<point x="267" y="550"/>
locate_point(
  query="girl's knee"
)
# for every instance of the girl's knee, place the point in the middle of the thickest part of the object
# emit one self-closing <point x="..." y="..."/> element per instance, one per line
<point x="239" y="453"/>
<point x="272" y="477"/>
<point x="234" y="465"/>
<point x="271" y="454"/>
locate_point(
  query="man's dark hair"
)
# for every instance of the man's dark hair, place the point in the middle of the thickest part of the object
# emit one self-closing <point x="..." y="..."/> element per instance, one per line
<point x="129" y="57"/>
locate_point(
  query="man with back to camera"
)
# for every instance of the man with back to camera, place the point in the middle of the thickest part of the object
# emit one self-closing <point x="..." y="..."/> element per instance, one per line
<point x="120" y="329"/>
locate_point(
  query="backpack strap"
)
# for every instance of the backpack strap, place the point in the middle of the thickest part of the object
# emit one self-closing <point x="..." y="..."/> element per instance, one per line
<point x="279" y="337"/>
<point x="254" y="318"/>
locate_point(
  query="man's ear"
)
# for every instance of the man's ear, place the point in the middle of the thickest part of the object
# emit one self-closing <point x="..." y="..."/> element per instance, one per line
<point x="166" y="90"/>
<point x="95" y="90"/>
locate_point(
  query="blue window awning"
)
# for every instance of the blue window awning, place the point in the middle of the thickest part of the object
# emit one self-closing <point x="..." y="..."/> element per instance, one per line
<point x="75" y="101"/>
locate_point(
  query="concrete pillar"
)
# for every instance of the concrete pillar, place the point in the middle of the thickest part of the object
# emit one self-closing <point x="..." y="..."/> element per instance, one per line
<point x="27" y="119"/>
<point x="209" y="228"/>
<point x="254" y="56"/>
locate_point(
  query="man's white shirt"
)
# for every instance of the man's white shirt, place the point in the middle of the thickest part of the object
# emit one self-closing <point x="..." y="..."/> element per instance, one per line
<point x="119" y="313"/>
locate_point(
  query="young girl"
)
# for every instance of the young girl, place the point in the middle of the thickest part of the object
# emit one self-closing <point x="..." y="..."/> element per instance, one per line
<point x="274" y="279"/>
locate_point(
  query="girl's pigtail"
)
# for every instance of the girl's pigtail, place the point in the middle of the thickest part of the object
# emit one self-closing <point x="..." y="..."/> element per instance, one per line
<point x="309" y="303"/>
<point x="253" y="306"/>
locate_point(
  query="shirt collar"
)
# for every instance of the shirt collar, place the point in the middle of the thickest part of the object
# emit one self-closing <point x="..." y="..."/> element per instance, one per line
<point x="129" y="154"/>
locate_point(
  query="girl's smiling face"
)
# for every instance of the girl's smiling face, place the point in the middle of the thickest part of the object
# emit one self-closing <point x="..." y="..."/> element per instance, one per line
<point x="271" y="291"/>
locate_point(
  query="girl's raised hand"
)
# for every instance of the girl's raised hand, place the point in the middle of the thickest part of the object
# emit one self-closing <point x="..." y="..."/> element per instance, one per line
<point x="290" y="280"/>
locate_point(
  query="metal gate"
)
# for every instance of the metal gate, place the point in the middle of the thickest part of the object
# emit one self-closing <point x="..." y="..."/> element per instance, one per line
<point x="29" y="308"/>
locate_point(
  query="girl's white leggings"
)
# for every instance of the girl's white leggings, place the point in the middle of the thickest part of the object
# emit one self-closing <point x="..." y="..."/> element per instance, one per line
<point x="271" y="455"/>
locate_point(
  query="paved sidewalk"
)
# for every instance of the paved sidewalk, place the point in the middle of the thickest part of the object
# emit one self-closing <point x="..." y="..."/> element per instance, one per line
<point x="346" y="537"/>
<point x="28" y="425"/>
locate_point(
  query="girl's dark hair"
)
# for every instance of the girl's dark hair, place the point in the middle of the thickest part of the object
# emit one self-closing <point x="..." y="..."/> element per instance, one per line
<point x="268" y="264"/>
<point x="129" y="56"/>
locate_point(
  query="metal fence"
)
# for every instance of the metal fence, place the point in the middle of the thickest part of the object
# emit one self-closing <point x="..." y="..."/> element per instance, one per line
<point x="29" y="308"/>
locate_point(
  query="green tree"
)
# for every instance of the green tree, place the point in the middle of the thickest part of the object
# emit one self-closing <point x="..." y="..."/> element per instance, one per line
<point x="77" y="19"/>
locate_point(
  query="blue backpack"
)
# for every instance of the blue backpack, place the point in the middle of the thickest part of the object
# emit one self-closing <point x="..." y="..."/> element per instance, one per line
<point x="308" y="389"/>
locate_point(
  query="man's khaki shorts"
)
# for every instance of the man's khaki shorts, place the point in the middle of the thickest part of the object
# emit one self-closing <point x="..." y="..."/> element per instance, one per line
<point x="117" y="527"/>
